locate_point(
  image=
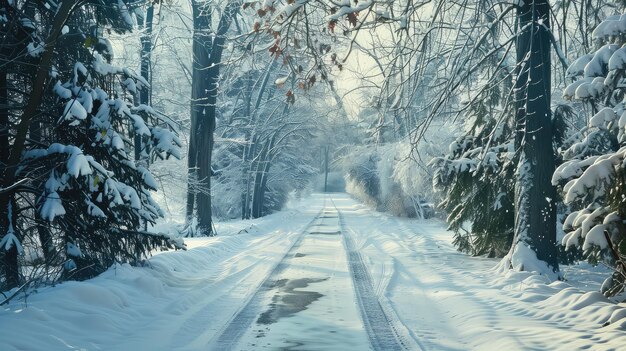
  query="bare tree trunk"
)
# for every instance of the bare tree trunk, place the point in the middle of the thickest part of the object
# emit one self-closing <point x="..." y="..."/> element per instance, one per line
<point x="201" y="47"/>
<point x="245" y="201"/>
<point x="145" y="23"/>
<point x="9" y="257"/>
<point x="263" y="186"/>
<point x="256" y="195"/>
<point x="206" y="125"/>
<point x="258" y="175"/>
<point x="535" y="217"/>
<point x="326" y="151"/>
<point x="248" y="152"/>
<point x="146" y="55"/>
<point x="4" y="123"/>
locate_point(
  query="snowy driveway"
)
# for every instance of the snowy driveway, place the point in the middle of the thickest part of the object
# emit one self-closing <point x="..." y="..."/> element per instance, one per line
<point x="329" y="275"/>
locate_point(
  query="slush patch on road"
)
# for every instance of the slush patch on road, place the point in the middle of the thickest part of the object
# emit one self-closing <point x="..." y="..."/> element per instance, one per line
<point x="307" y="303"/>
<point x="326" y="233"/>
<point x="288" y="301"/>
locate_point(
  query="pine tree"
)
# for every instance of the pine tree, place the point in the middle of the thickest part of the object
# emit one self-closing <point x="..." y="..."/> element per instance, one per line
<point x="534" y="244"/>
<point x="83" y="191"/>
<point x="477" y="177"/>
<point x="593" y="177"/>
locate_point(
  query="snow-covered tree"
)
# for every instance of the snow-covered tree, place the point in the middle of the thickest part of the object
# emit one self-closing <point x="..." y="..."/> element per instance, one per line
<point x="86" y="201"/>
<point x="477" y="178"/>
<point x="263" y="134"/>
<point x="208" y="48"/>
<point x="533" y="229"/>
<point x="593" y="174"/>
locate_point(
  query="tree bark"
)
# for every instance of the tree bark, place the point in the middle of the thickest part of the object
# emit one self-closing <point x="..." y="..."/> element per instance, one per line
<point x="9" y="257"/>
<point x="535" y="217"/>
<point x="201" y="47"/>
<point x="258" y="194"/>
<point x="248" y="152"/>
<point x="145" y="60"/>
<point x="263" y="186"/>
<point x="326" y="151"/>
<point x="4" y="123"/>
<point x="247" y="173"/>
<point x="205" y="109"/>
<point x="146" y="55"/>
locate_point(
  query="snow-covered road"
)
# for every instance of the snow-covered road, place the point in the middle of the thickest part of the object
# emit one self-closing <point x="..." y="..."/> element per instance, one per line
<point x="330" y="274"/>
<point x="319" y="297"/>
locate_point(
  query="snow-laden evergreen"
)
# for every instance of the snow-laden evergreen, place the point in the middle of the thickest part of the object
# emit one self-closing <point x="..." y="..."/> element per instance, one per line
<point x="477" y="180"/>
<point x="89" y="197"/>
<point x="593" y="174"/>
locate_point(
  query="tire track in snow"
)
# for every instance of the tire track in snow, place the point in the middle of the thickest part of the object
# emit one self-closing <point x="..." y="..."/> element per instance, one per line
<point x="230" y="335"/>
<point x="384" y="329"/>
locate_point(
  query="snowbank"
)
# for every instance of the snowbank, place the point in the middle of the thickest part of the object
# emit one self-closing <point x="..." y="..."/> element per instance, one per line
<point x="178" y="300"/>
<point x="452" y="301"/>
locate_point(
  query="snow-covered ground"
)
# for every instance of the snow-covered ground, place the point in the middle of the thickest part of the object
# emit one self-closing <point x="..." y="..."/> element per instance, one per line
<point x="431" y="294"/>
<point x="450" y="301"/>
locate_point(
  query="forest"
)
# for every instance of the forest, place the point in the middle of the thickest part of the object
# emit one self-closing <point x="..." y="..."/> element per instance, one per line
<point x="414" y="168"/>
